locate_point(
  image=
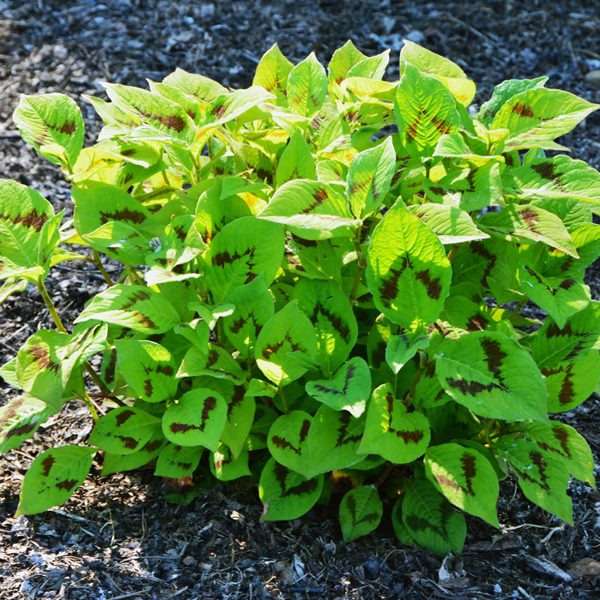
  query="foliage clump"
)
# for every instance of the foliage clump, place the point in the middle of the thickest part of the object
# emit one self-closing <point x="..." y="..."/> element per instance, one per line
<point x="316" y="287"/>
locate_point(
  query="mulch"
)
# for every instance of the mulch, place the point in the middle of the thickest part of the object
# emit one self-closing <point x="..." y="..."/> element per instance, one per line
<point x="118" y="538"/>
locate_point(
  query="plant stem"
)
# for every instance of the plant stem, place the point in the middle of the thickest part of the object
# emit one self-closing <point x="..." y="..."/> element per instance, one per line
<point x="96" y="378"/>
<point x="285" y="406"/>
<point x="135" y="278"/>
<point x="41" y="286"/>
<point x="98" y="262"/>
<point x="518" y="308"/>
<point x="362" y="263"/>
<point x="452" y="253"/>
<point x="85" y="398"/>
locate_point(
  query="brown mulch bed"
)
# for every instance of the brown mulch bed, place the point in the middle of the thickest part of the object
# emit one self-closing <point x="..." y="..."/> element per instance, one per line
<point x="118" y="537"/>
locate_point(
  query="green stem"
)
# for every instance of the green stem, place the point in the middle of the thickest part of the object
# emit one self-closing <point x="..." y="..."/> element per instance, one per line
<point x="486" y="430"/>
<point x="362" y="263"/>
<point x="98" y="262"/>
<point x="96" y="378"/>
<point x="285" y="406"/>
<point x="48" y="301"/>
<point x="85" y="398"/>
<point x="518" y="308"/>
<point x="135" y="278"/>
<point x="452" y="253"/>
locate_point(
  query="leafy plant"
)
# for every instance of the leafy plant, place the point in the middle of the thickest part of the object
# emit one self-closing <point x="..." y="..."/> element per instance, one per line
<point x="322" y="285"/>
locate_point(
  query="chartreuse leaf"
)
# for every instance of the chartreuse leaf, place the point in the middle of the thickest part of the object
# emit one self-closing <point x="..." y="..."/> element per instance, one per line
<point x="349" y="389"/>
<point x="53" y="125"/>
<point x="430" y="519"/>
<point x="333" y="441"/>
<point x="361" y="510"/>
<point x="288" y="441"/>
<point x="538" y="116"/>
<point x="12" y="286"/>
<point x="392" y="432"/>
<point x="197" y="419"/>
<point x="296" y="161"/>
<point x="287" y="331"/>
<point x="556" y="177"/>
<point x="401" y="348"/>
<point x="214" y="362"/>
<point x="19" y="419"/>
<point x="310" y="209"/>
<point x="239" y="252"/>
<point x="451" y="224"/>
<point x="307" y="87"/>
<point x="148" y="368"/>
<point x="202" y="88"/>
<point x="558" y="296"/>
<point x="225" y="467"/>
<point x="369" y="177"/>
<point x="272" y="74"/>
<point x="178" y="461"/>
<point x="504" y="92"/>
<point x="526" y="222"/>
<point x="53" y="477"/>
<point x="425" y="111"/>
<point x="124" y="430"/>
<point x="371" y="68"/>
<point x="133" y="306"/>
<point x="570" y="384"/>
<point x="228" y="107"/>
<point x="407" y="271"/>
<point x="286" y="494"/>
<point x="466" y="478"/>
<point x="553" y="345"/>
<point x="253" y="308"/>
<point x="114" y="463"/>
<point x="493" y="376"/>
<point x="331" y="314"/>
<point x="449" y="73"/>
<point x="318" y="259"/>
<point x="23" y="214"/>
<point x="342" y="61"/>
<point x="542" y="477"/>
<point x="563" y="442"/>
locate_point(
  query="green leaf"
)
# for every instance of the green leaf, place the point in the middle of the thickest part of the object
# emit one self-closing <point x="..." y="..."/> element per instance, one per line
<point x="310" y="209"/>
<point x="431" y="520"/>
<point x="407" y="271"/>
<point x="12" y="286"/>
<point x="543" y="478"/>
<point x="287" y="441"/>
<point x="23" y="215"/>
<point x="581" y="333"/>
<point x="570" y="384"/>
<point x="425" y="111"/>
<point x="371" y="68"/>
<point x="333" y="441"/>
<point x="225" y="467"/>
<point x="466" y="478"/>
<point x="123" y="430"/>
<point x="202" y="88"/>
<point x="272" y="74"/>
<point x="342" y="61"/>
<point x="318" y="259"/>
<point x="538" y="116"/>
<point x="19" y="419"/>
<point x="399" y="528"/>
<point x="307" y="87"/>
<point x="178" y="461"/>
<point x="53" y="477"/>
<point x="253" y="308"/>
<point x="286" y="495"/>
<point x="264" y="417"/>
<point x="287" y="331"/>
<point x="401" y="348"/>
<point x="558" y="296"/>
<point x="240" y="418"/>
<point x="331" y="314"/>
<point x="114" y="463"/>
<point x="361" y="511"/>
<point x="239" y="252"/>
<point x="556" y="177"/>
<point x="349" y="389"/>
<point x="214" y="362"/>
<point x="133" y="306"/>
<point x="449" y="73"/>
<point x="504" y="92"/>
<point x="451" y="224"/>
<point x="493" y="376"/>
<point x="564" y="442"/>
<point x="53" y="125"/>
<point x="228" y="107"/>
<point x="148" y="368"/>
<point x="369" y="177"/>
<point x="198" y="419"/>
<point x="527" y="222"/>
<point x="296" y="162"/>
<point x="391" y="431"/>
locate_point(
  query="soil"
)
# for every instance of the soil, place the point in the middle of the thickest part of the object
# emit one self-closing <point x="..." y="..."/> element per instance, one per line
<point x="118" y="538"/>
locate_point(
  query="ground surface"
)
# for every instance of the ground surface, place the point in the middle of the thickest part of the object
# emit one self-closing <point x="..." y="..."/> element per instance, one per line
<point x="118" y="538"/>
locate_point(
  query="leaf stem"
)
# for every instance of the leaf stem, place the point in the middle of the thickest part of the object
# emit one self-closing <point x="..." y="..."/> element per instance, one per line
<point x="98" y="262"/>
<point x="96" y="378"/>
<point x="285" y="406"/>
<point x="452" y="253"/>
<point x="135" y="278"/>
<point x="41" y="286"/>
<point x="517" y="309"/>
<point x="362" y="263"/>
<point x="85" y="398"/>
